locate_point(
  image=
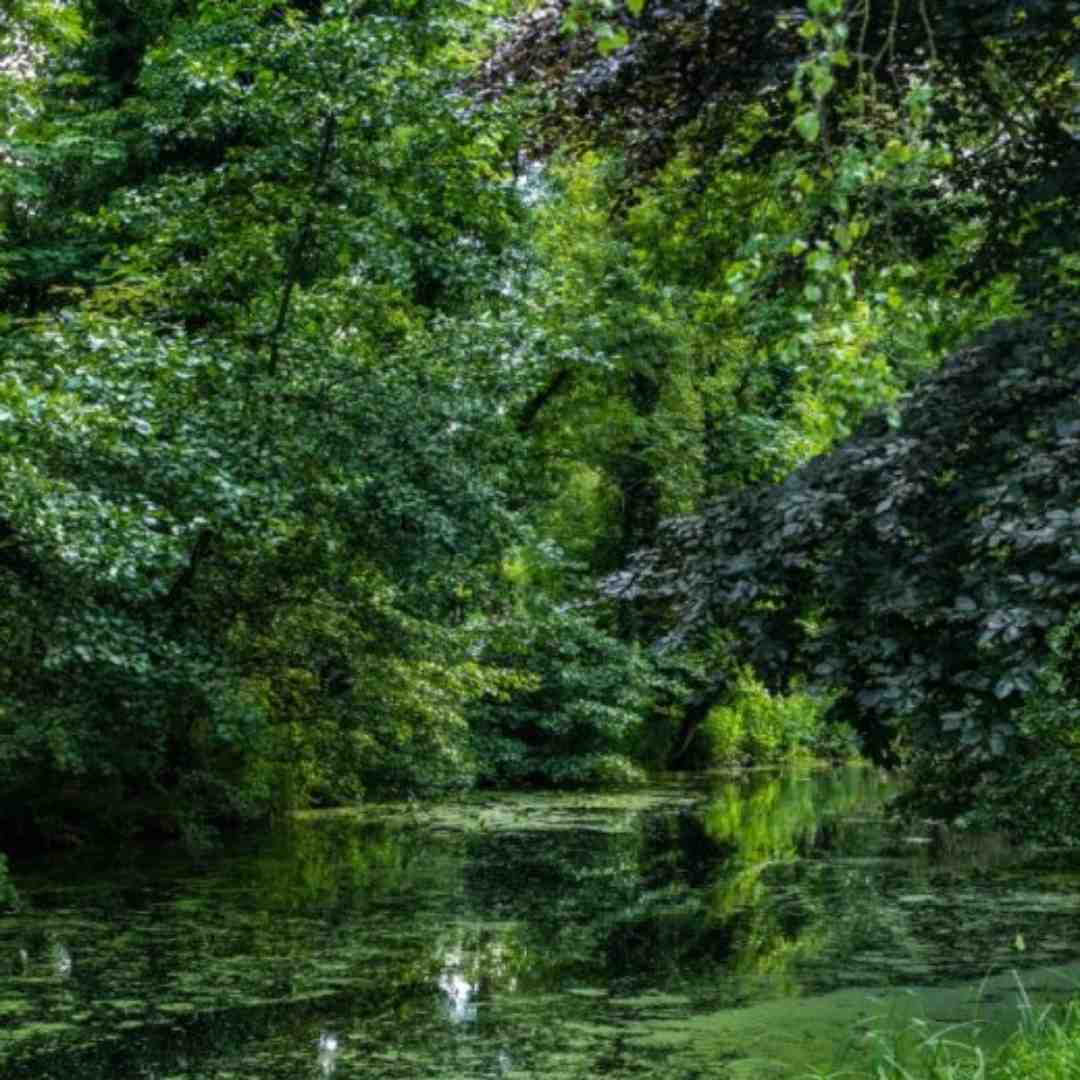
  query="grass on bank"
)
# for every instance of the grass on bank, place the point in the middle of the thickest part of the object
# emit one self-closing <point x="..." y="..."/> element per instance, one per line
<point x="1046" y="1046"/>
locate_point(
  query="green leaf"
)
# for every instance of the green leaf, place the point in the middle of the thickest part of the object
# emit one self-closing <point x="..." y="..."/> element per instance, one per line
<point x="822" y="82"/>
<point x="610" y="38"/>
<point x="808" y="125"/>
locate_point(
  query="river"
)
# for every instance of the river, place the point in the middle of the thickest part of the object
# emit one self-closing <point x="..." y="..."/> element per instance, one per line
<point x="714" y="927"/>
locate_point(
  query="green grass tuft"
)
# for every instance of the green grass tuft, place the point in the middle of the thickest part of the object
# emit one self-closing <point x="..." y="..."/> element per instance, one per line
<point x="1046" y="1046"/>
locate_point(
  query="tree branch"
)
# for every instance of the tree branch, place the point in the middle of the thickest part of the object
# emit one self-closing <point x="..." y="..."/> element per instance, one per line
<point x="303" y="237"/>
<point x="533" y="406"/>
<point x="187" y="576"/>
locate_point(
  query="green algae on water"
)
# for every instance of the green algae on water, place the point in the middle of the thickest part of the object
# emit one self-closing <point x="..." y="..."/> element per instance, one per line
<point x="720" y="928"/>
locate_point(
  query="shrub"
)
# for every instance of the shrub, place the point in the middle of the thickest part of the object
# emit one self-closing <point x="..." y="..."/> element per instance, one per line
<point x="582" y="719"/>
<point x="758" y="727"/>
<point x="726" y="734"/>
<point x="1037" y="795"/>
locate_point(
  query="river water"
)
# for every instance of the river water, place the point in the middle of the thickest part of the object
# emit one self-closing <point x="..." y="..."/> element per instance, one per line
<point x="721" y="928"/>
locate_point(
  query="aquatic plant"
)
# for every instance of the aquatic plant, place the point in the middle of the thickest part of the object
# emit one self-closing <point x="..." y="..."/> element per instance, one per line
<point x="1045" y="1046"/>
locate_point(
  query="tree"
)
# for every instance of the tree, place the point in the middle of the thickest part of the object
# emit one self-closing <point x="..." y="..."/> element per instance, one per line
<point x="920" y="566"/>
<point x="252" y="449"/>
<point x="319" y="407"/>
<point x="689" y="69"/>
<point x="930" y="144"/>
<point x="744" y="307"/>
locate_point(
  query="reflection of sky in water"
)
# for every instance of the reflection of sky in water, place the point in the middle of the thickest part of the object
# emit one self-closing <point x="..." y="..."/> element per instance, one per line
<point x="467" y="967"/>
<point x="328" y="1052"/>
<point x="458" y="989"/>
<point x="472" y="970"/>
<point x="56" y="960"/>
<point x="459" y="997"/>
<point x="60" y="960"/>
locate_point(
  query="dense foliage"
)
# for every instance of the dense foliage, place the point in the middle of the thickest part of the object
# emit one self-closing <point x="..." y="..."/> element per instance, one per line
<point x="920" y="564"/>
<point x="345" y="347"/>
<point x="755" y="726"/>
<point x="585" y="720"/>
<point x="250" y="447"/>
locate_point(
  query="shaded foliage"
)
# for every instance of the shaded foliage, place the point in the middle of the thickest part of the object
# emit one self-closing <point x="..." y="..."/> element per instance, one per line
<point x="921" y="564"/>
<point x="689" y="68"/>
<point x="1034" y="796"/>
<point x="251" y="447"/>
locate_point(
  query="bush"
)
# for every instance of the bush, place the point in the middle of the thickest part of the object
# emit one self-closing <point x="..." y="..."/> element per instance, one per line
<point x="582" y="720"/>
<point x="725" y="731"/>
<point x="1034" y="793"/>
<point x="758" y="727"/>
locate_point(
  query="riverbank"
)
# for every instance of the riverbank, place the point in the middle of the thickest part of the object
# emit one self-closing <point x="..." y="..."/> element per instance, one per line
<point x="1046" y="1046"/>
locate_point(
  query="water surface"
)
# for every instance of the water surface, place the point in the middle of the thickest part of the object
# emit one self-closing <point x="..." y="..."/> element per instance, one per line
<point x="723" y="928"/>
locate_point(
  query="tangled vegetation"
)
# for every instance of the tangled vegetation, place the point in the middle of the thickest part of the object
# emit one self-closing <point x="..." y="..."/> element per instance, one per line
<point x="347" y="347"/>
<point x="920" y="565"/>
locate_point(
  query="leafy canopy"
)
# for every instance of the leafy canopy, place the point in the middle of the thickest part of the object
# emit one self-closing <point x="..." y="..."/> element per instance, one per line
<point x="921" y="564"/>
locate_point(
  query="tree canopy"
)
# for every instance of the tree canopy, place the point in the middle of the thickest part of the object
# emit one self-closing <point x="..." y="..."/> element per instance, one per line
<point x="920" y="564"/>
<point x="346" y="348"/>
<point x="250" y="441"/>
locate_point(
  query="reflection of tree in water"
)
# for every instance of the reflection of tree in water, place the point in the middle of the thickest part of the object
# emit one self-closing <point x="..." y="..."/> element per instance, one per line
<point x="340" y="938"/>
<point x="339" y="865"/>
<point x="710" y="899"/>
<point x="563" y="886"/>
<point x="399" y="928"/>
<point x="42" y="955"/>
<point x="682" y="895"/>
<point x="477" y="961"/>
